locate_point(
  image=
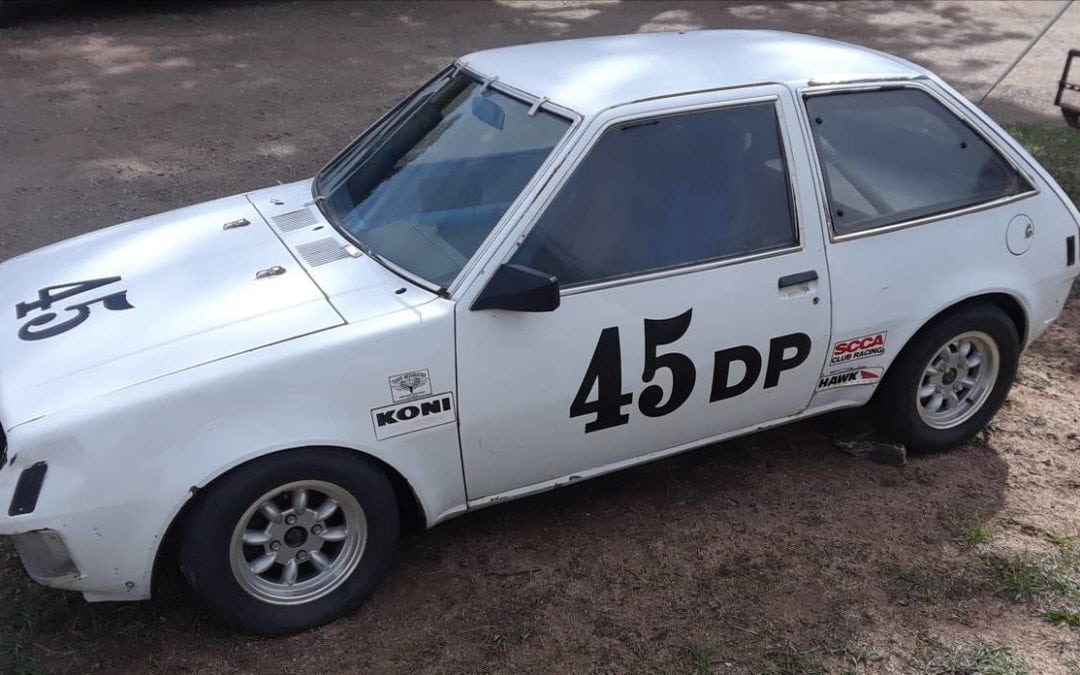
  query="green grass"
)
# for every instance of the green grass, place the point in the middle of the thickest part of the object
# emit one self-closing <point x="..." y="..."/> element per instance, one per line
<point x="1022" y="577"/>
<point x="965" y="527"/>
<point x="54" y="631"/>
<point x="699" y="658"/>
<point x="1063" y="617"/>
<point x="856" y="654"/>
<point x="973" y="658"/>
<point x="1047" y="580"/>
<point x="794" y="664"/>
<point x="1056" y="149"/>
<point x="933" y="585"/>
<point x="974" y="536"/>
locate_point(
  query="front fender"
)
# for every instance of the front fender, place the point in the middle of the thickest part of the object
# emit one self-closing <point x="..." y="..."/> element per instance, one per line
<point x="122" y="468"/>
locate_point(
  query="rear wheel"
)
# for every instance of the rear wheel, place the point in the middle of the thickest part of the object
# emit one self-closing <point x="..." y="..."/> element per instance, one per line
<point x="291" y="541"/>
<point x="950" y="379"/>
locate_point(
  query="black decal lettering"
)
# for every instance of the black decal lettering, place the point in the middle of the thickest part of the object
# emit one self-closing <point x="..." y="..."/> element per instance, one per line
<point x="605" y="371"/>
<point x="408" y="412"/>
<point x="777" y="361"/>
<point x="46" y="297"/>
<point x="683" y="373"/>
<point x="722" y="360"/>
<point x="385" y="418"/>
<point x="823" y="382"/>
<point x="446" y="404"/>
<point x="431" y="407"/>
<point x="116" y="301"/>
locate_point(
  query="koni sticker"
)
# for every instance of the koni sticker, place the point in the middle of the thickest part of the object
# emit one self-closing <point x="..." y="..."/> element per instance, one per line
<point x="410" y="385"/>
<point x="853" y="349"/>
<point x="405" y="418"/>
<point x="850" y="378"/>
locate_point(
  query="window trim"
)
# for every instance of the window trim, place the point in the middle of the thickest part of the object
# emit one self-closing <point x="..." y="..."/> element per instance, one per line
<point x="785" y="138"/>
<point x="821" y="182"/>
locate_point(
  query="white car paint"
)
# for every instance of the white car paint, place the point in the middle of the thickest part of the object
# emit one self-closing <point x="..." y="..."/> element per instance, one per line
<point x="135" y="410"/>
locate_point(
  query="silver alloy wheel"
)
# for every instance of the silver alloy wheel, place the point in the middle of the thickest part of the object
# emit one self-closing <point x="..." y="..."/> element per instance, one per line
<point x="958" y="380"/>
<point x="298" y="542"/>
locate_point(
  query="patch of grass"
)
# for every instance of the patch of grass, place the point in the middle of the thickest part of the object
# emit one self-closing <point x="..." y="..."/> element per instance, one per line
<point x="699" y="658"/>
<point x="54" y="631"/>
<point x="1021" y="577"/>
<point x="974" y="536"/>
<point x="856" y="654"/>
<point x="931" y="585"/>
<point x="1065" y="542"/>
<point x="1072" y="665"/>
<point x="507" y="640"/>
<point x="15" y="658"/>
<point x="1057" y="150"/>
<point x="966" y="527"/>
<point x="974" y="658"/>
<point x="1046" y="579"/>
<point x="794" y="663"/>
<point x="1063" y="617"/>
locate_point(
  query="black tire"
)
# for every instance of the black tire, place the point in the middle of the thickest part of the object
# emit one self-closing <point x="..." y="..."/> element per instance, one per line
<point x="209" y="529"/>
<point x="896" y="402"/>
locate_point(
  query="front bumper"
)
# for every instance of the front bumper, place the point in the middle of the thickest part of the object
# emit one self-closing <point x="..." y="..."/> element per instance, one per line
<point x="46" y="558"/>
<point x="84" y="533"/>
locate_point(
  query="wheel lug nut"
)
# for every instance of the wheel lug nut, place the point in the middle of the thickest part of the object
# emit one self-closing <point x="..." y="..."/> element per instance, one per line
<point x="302" y="555"/>
<point x="275" y="546"/>
<point x="317" y="529"/>
<point x="290" y="520"/>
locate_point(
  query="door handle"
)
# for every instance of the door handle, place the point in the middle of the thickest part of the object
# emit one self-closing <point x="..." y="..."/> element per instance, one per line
<point x="796" y="279"/>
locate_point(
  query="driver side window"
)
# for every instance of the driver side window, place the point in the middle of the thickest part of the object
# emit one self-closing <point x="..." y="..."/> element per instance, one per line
<point x="668" y="192"/>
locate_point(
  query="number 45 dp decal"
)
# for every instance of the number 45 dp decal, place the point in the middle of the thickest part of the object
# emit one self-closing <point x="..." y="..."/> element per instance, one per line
<point x="45" y="325"/>
<point x="605" y="372"/>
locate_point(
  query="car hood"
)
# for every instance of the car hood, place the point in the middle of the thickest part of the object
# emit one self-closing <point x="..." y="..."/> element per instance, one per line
<point x="138" y="301"/>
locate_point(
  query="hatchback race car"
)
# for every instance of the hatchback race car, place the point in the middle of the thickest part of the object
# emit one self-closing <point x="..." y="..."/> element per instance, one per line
<point x="550" y="262"/>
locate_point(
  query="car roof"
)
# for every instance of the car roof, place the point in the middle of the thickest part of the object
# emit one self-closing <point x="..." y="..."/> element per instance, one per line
<point x="592" y="74"/>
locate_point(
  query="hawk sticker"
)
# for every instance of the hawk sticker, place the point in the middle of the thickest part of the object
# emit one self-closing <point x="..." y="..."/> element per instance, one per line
<point x="850" y="378"/>
<point x="410" y="385"/>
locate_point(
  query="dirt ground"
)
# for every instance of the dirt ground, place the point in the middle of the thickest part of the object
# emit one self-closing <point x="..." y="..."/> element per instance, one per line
<point x="773" y="554"/>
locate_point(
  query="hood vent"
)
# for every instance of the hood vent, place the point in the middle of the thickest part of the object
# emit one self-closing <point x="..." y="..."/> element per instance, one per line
<point x="321" y="252"/>
<point x="294" y="220"/>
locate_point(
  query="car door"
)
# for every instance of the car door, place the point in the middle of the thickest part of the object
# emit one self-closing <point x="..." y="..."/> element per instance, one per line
<point x="694" y="296"/>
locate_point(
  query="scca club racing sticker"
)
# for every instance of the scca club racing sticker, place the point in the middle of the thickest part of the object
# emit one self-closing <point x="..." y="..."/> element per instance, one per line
<point x="410" y="385"/>
<point x="850" y="378"/>
<point x="414" y="415"/>
<point x="854" y="349"/>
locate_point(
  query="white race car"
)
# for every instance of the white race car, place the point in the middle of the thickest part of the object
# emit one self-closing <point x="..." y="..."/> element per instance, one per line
<point x="551" y="262"/>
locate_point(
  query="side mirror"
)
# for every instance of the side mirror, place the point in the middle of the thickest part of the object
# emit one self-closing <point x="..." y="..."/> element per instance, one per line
<point x="521" y="289"/>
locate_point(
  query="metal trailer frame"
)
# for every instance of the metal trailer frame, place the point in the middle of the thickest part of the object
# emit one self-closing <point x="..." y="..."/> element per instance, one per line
<point x="1069" y="112"/>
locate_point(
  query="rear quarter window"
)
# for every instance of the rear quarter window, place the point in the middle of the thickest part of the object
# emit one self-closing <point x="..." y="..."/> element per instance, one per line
<point x="890" y="156"/>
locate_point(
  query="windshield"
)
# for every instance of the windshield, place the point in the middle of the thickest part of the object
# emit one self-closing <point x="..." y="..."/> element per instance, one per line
<point x="424" y="189"/>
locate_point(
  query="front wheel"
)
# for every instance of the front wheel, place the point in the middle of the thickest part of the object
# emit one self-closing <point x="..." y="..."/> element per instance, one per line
<point x="291" y="541"/>
<point x="950" y="379"/>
